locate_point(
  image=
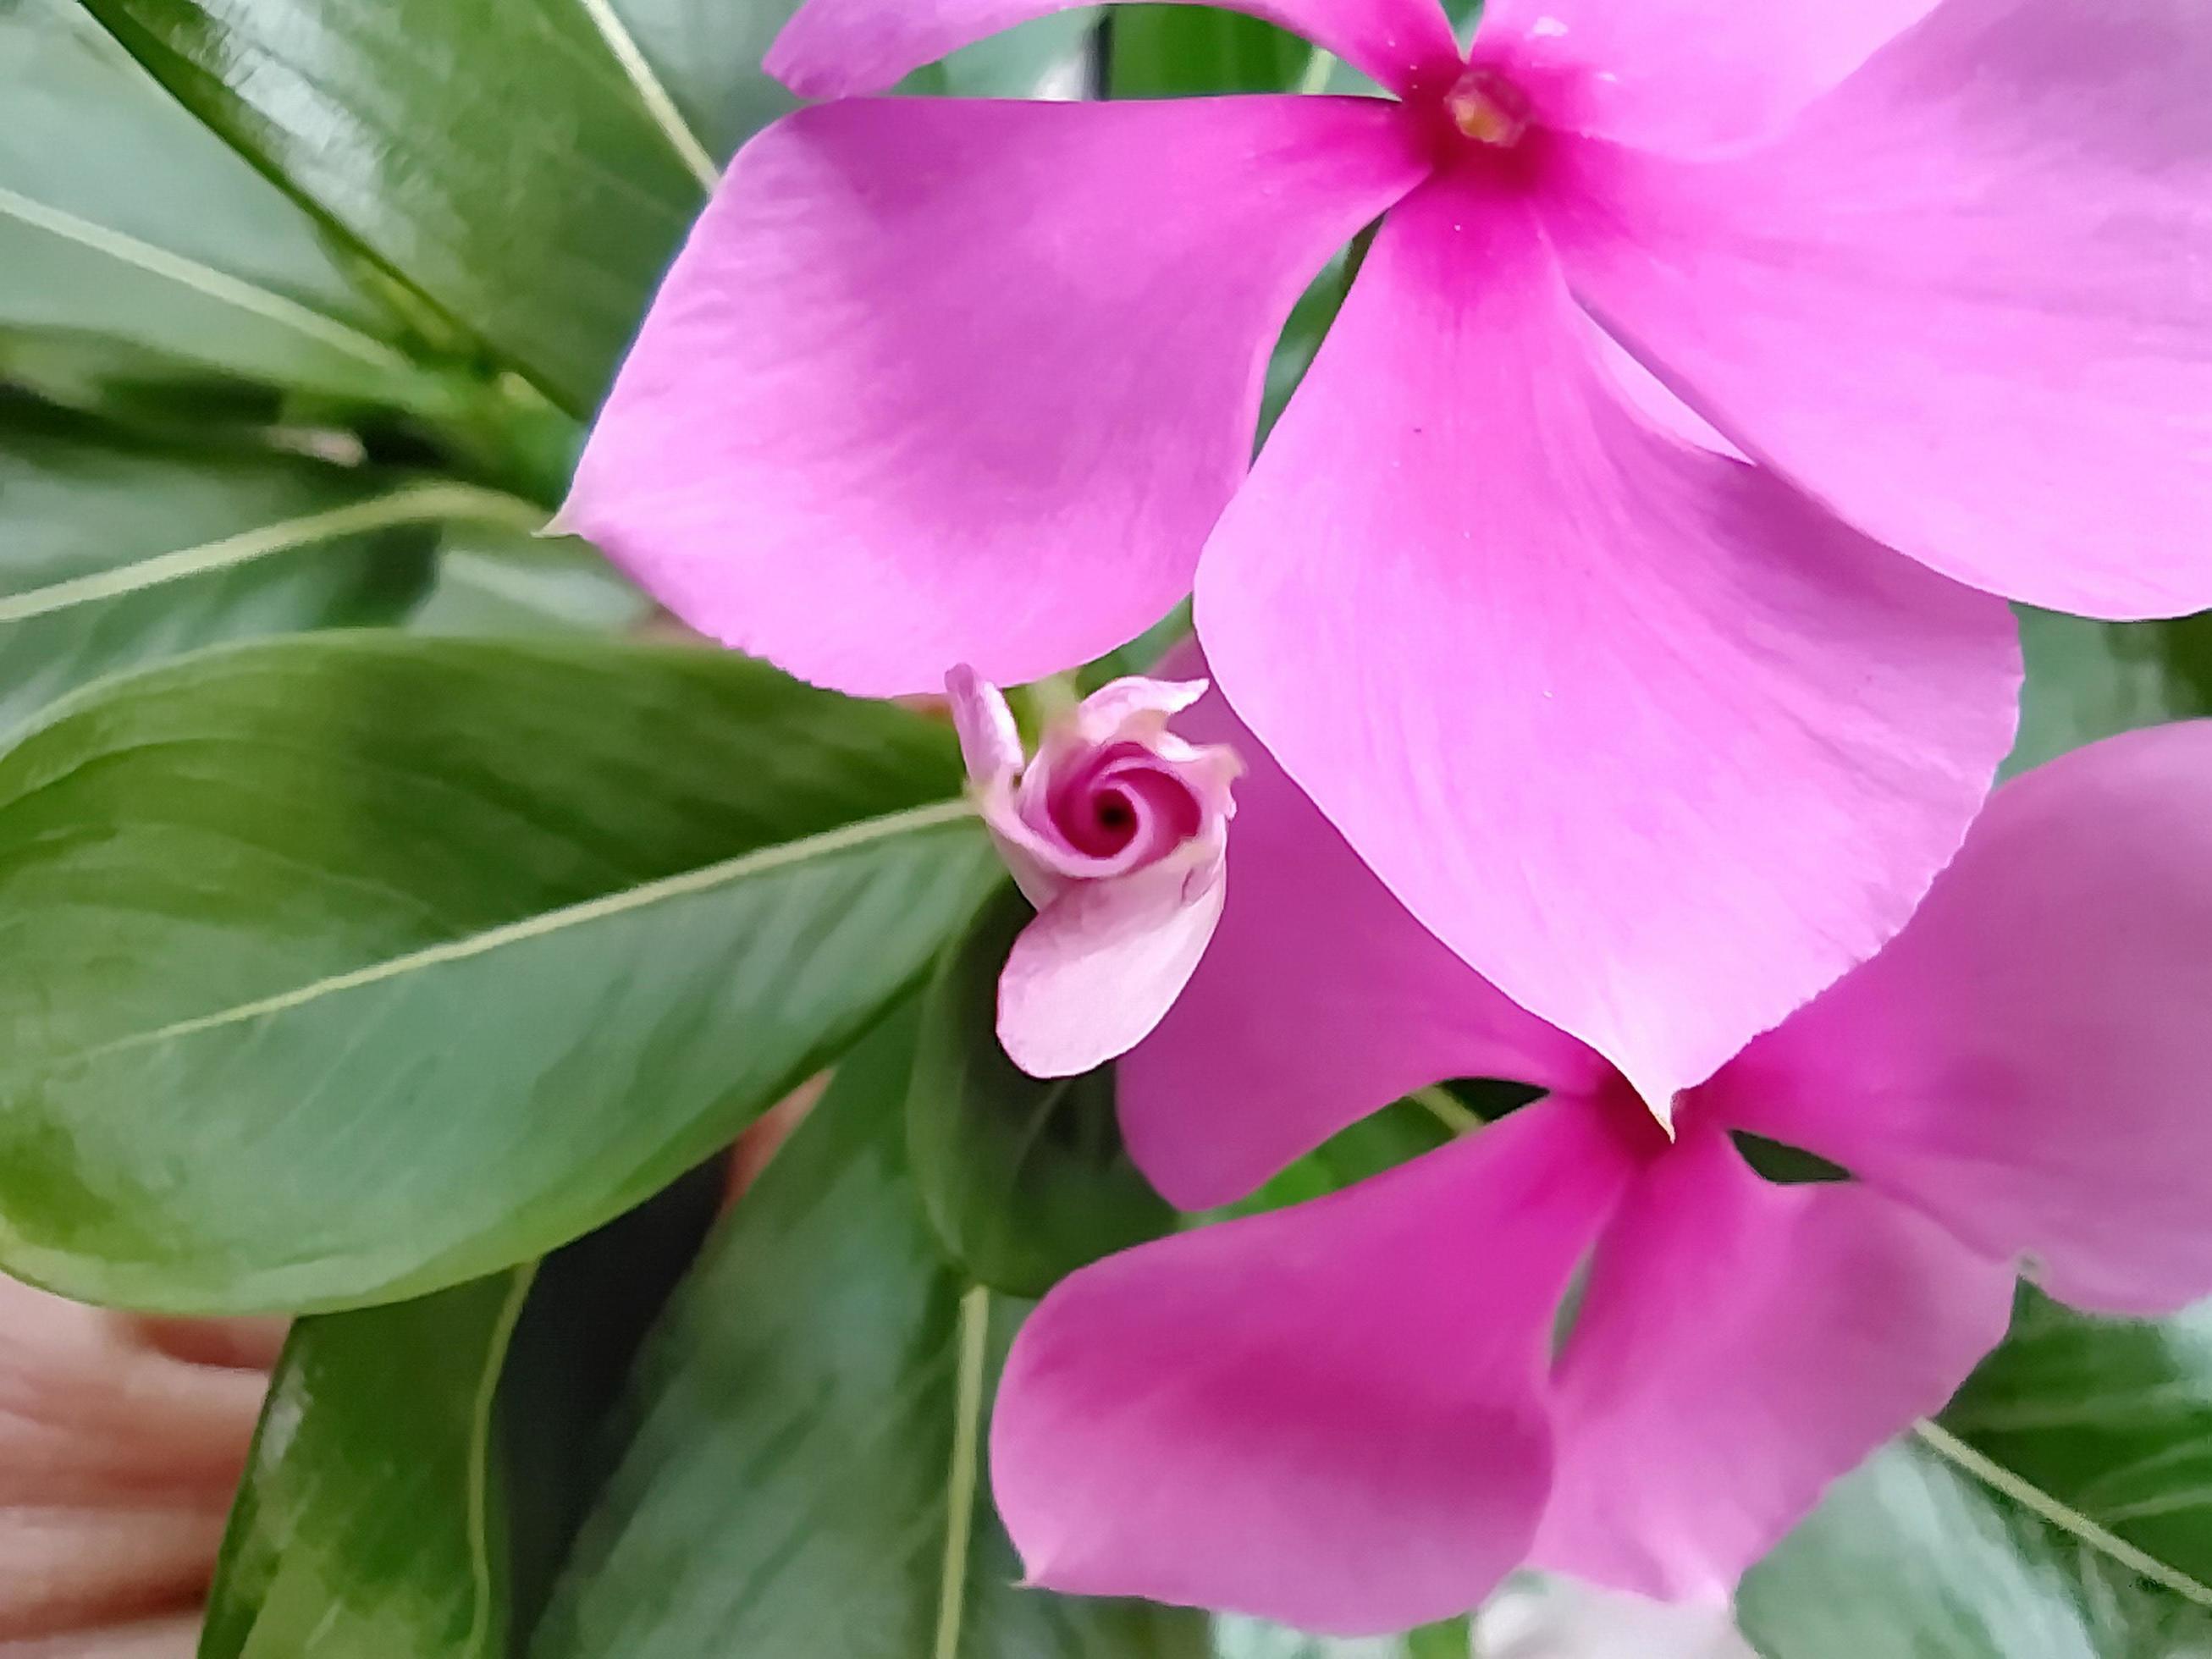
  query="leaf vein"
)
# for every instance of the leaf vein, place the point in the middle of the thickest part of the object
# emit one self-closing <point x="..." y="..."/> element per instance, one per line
<point x="216" y="285"/>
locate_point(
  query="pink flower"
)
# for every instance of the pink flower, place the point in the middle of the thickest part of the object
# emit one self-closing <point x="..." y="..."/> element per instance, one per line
<point x="1660" y="739"/>
<point x="1349" y="1414"/>
<point x="1118" y="832"/>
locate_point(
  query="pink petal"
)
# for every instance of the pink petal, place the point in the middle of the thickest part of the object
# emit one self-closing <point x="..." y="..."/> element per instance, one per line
<point x="838" y="48"/>
<point x="1134" y="705"/>
<point x="1740" y="1346"/>
<point x="1963" y="300"/>
<point x="2028" y="1062"/>
<point x="1090" y="977"/>
<point x="939" y="381"/>
<point x="990" y="745"/>
<point x="1655" y="745"/>
<point x="1320" y="1001"/>
<point x="1331" y="1414"/>
<point x="1685" y="74"/>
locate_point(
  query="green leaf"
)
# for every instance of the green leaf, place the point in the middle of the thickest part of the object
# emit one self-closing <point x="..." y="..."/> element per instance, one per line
<point x="368" y="1522"/>
<point x="340" y="1549"/>
<point x="1914" y="1554"/>
<point x="1176" y="51"/>
<point x="1249" y="1639"/>
<point x="117" y="550"/>
<point x="523" y="169"/>
<point x="122" y="219"/>
<point x="1401" y="1130"/>
<point x="2110" y="1417"/>
<point x="706" y="57"/>
<point x="1048" y="57"/>
<point x="2058" y="1509"/>
<point x="589" y="1312"/>
<point x="516" y="164"/>
<point x="801" y="1468"/>
<point x="1024" y="1179"/>
<point x="2087" y="680"/>
<point x="1182" y="50"/>
<point x="495" y="582"/>
<point x="346" y="967"/>
<point x="698" y="63"/>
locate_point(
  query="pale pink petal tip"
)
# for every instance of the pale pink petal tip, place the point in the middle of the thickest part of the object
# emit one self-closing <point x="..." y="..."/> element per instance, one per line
<point x="990" y="745"/>
<point x="1092" y="976"/>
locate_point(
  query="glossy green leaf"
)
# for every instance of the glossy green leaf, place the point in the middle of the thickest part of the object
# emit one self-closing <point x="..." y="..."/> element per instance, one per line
<point x="516" y="164"/>
<point x="2059" y="1509"/>
<point x="1024" y="1179"/>
<point x="801" y="1466"/>
<point x="2087" y="680"/>
<point x="523" y="169"/>
<point x="123" y="220"/>
<point x="117" y="550"/>
<point x="340" y="1549"/>
<point x="369" y="1522"/>
<point x="351" y="967"/>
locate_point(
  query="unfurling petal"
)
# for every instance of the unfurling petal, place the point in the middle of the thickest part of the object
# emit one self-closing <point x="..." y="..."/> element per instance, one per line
<point x="1964" y="300"/>
<point x="1094" y="973"/>
<point x="1134" y="705"/>
<point x="937" y="381"/>
<point x="1330" y="1415"/>
<point x="2028" y="1060"/>
<point x="990" y="745"/>
<point x="838" y="48"/>
<point x="1655" y="745"/>
<point x="1740" y="1346"/>
<point x="1118" y="832"/>
<point x="1685" y="76"/>
<point x="1320" y="1001"/>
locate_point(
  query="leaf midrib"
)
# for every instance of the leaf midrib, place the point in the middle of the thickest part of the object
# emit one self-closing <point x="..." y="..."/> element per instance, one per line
<point x="973" y="1337"/>
<point x="2063" y="1515"/>
<point x="483" y="1620"/>
<point x="205" y="280"/>
<point x="823" y="844"/>
<point x="658" y="105"/>
<point x="419" y="503"/>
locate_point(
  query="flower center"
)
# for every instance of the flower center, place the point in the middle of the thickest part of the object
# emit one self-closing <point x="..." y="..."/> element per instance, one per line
<point x="1487" y="107"/>
<point x="1116" y="819"/>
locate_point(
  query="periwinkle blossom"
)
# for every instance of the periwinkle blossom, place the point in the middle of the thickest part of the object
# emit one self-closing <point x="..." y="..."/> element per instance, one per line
<point x="1660" y="739"/>
<point x="1117" y="832"/>
<point x="1356" y="1413"/>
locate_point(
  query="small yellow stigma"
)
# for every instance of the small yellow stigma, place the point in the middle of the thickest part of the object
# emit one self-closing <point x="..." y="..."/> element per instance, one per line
<point x="1488" y="108"/>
